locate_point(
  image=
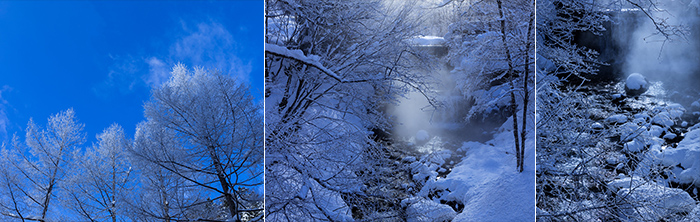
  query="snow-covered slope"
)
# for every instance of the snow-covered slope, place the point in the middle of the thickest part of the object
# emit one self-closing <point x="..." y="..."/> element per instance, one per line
<point x="487" y="183"/>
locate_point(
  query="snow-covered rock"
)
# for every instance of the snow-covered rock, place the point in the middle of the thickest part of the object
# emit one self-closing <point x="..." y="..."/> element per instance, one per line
<point x="652" y="202"/>
<point x="422" y="210"/>
<point x="616" y="96"/>
<point x="663" y="119"/>
<point x="695" y="104"/>
<point x="624" y="182"/>
<point x="655" y="131"/>
<point x="669" y="136"/>
<point x="617" y="118"/>
<point x="422" y="172"/>
<point x="668" y="115"/>
<point x="630" y="131"/>
<point x="641" y="116"/>
<point x="409" y="159"/>
<point x="675" y="110"/>
<point x="636" y="84"/>
<point x="426" y="169"/>
<point x="687" y="154"/>
<point x="634" y="146"/>
<point x="597" y="126"/>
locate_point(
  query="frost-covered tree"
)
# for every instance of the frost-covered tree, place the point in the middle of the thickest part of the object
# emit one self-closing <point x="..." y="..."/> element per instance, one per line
<point x="206" y="130"/>
<point x="105" y="180"/>
<point x="34" y="172"/>
<point x="558" y="22"/>
<point x="492" y="50"/>
<point x="563" y="130"/>
<point x="331" y="66"/>
<point x="166" y="196"/>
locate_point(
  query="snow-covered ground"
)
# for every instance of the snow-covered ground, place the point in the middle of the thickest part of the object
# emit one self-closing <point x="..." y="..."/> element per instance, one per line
<point x="483" y="186"/>
<point x="495" y="191"/>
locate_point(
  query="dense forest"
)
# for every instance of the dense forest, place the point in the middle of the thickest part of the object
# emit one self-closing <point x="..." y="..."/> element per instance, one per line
<point x="399" y="111"/>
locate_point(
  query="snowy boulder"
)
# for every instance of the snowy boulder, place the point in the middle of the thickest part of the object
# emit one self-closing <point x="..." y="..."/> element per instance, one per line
<point x="422" y="210"/>
<point x="624" y="182"/>
<point x="617" y="118"/>
<point x="634" y="146"/>
<point x="630" y="131"/>
<point x="651" y="202"/>
<point x="656" y="131"/>
<point x="684" y="156"/>
<point x="690" y="175"/>
<point x="597" y="126"/>
<point x="422" y="136"/>
<point x="636" y="84"/>
<point x="423" y="172"/>
<point x="687" y="154"/>
<point x="664" y="119"/>
<point x="667" y="116"/>
<point x="670" y="136"/>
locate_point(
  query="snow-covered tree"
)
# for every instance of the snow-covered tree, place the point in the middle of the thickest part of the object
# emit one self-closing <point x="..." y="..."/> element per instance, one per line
<point x="34" y="173"/>
<point x="557" y="24"/>
<point x="167" y="196"/>
<point x="206" y="129"/>
<point x="105" y="180"/>
<point x="331" y="66"/>
<point x="492" y="50"/>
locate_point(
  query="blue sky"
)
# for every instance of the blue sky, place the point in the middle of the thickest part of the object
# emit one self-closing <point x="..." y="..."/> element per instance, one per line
<point x="102" y="57"/>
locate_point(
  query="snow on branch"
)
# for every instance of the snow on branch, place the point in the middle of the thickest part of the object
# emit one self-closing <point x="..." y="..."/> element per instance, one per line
<point x="313" y="60"/>
<point x="23" y="218"/>
<point x="299" y="56"/>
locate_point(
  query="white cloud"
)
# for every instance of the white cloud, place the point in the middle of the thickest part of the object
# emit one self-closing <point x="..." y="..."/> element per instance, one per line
<point x="4" y="121"/>
<point x="208" y="45"/>
<point x="211" y="46"/>
<point x="158" y="72"/>
<point x="122" y="76"/>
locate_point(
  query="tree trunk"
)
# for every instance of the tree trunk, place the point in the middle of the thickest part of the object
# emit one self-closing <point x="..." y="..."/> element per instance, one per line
<point x="225" y="187"/>
<point x="49" y="190"/>
<point x="113" y="204"/>
<point x="514" y="105"/>
<point x="526" y="96"/>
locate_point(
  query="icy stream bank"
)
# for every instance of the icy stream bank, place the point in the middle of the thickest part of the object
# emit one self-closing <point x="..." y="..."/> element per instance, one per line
<point x="643" y="167"/>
